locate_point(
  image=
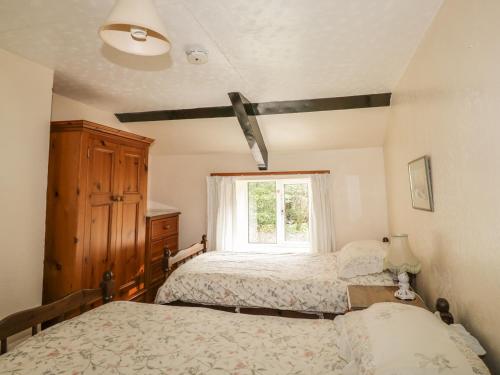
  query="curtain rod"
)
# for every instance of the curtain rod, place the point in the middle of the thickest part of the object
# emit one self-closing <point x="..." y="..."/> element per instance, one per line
<point x="268" y="173"/>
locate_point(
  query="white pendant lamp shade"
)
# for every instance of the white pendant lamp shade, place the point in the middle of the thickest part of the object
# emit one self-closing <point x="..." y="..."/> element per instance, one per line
<point x="134" y="27"/>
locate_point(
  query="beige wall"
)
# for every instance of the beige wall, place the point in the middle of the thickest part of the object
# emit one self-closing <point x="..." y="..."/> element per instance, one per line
<point x="290" y="132"/>
<point x="25" y="96"/>
<point x="360" y="210"/>
<point x="447" y="105"/>
<point x="64" y="108"/>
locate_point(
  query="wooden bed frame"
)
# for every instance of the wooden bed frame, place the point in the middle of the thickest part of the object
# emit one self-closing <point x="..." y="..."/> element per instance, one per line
<point x="56" y="311"/>
<point x="172" y="261"/>
<point x="31" y="318"/>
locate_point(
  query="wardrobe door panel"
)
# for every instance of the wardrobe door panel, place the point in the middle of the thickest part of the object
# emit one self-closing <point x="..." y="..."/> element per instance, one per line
<point x="131" y="171"/>
<point x="130" y="258"/>
<point x="101" y="211"/>
<point x="102" y="169"/>
<point x="131" y="249"/>
<point x="101" y="238"/>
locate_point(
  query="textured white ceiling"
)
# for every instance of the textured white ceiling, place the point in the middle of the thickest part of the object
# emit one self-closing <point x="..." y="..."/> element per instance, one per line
<point x="267" y="49"/>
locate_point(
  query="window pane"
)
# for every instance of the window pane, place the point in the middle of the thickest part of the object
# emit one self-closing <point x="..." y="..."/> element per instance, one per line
<point x="262" y="212"/>
<point x="296" y="212"/>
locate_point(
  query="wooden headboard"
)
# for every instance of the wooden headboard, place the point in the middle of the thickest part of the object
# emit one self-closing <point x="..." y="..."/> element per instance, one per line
<point x="172" y="261"/>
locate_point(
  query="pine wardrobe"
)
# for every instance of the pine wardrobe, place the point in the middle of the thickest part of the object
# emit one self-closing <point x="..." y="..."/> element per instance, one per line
<point x="96" y="206"/>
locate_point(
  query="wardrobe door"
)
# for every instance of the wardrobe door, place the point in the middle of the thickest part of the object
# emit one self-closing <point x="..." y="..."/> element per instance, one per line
<point x="131" y="223"/>
<point x="101" y="210"/>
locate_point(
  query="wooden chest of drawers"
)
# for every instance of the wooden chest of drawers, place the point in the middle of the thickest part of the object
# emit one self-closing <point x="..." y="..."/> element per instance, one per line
<point x="162" y="230"/>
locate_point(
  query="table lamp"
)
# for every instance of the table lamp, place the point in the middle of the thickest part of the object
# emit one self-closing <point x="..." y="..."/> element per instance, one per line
<point x="401" y="260"/>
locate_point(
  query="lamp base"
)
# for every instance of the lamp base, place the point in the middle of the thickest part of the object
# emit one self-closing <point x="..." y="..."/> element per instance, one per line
<point x="404" y="291"/>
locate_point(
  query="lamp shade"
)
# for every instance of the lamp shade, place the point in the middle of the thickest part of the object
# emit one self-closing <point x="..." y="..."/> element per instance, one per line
<point x="134" y="27"/>
<point x="400" y="257"/>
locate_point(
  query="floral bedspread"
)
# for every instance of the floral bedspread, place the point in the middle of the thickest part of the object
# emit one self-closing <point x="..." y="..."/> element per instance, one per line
<point x="298" y="282"/>
<point x="134" y="338"/>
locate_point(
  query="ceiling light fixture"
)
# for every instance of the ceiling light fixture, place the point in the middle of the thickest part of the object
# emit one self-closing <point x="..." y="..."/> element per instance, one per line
<point x="134" y="27"/>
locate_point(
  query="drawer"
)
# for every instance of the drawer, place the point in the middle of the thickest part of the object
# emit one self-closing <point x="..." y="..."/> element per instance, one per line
<point x="157" y="247"/>
<point x="157" y="273"/>
<point x="164" y="227"/>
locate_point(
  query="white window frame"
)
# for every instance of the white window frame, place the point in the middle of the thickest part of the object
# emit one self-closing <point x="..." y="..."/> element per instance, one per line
<point x="242" y="235"/>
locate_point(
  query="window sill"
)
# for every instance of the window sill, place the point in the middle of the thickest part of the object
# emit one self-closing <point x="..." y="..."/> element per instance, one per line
<point x="274" y="249"/>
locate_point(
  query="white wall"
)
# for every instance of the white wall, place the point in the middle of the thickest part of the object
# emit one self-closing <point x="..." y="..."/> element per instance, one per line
<point x="360" y="210"/>
<point x="447" y="106"/>
<point x="284" y="133"/>
<point x="64" y="108"/>
<point x="25" y="99"/>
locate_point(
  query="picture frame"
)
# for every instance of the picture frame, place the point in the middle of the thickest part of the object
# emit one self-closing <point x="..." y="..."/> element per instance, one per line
<point x="419" y="172"/>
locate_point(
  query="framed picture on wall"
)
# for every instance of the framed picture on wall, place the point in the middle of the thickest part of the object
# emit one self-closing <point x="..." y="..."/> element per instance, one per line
<point x="419" y="171"/>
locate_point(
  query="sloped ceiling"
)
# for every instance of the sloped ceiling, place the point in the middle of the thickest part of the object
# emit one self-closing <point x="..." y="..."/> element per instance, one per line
<point x="269" y="50"/>
<point x="282" y="133"/>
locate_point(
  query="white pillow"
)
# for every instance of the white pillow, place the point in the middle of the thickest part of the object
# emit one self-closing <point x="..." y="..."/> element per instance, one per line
<point x="361" y="258"/>
<point x="393" y="338"/>
<point x="470" y="340"/>
<point x="467" y="338"/>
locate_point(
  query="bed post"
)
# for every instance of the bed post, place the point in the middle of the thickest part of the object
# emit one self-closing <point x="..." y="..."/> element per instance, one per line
<point x="204" y="242"/>
<point x="166" y="257"/>
<point x="443" y="307"/>
<point x="107" y="287"/>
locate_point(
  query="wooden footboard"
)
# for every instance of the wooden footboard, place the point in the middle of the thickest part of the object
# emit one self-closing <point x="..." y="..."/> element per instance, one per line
<point x="443" y="307"/>
<point x="34" y="317"/>
<point x="258" y="311"/>
<point x="171" y="262"/>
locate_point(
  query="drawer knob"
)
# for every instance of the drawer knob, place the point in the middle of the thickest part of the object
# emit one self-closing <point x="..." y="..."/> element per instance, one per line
<point x="166" y="227"/>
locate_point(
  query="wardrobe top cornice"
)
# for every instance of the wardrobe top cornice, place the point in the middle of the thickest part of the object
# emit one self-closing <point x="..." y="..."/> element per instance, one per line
<point x="79" y="125"/>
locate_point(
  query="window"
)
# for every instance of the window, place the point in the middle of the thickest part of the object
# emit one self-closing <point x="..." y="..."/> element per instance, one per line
<point x="273" y="214"/>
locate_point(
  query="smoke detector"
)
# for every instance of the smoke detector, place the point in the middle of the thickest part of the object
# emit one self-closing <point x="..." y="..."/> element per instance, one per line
<point x="197" y="56"/>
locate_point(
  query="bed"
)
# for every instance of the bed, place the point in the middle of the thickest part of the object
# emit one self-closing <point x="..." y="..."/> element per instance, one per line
<point x="299" y="282"/>
<point x="134" y="338"/>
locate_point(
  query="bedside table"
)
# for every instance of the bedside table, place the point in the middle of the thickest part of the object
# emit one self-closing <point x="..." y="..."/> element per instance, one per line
<point x="360" y="297"/>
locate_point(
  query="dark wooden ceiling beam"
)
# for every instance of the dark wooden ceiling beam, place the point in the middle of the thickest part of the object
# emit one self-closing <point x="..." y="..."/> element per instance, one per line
<point x="176" y="114"/>
<point x="322" y="104"/>
<point x="258" y="109"/>
<point x="250" y="127"/>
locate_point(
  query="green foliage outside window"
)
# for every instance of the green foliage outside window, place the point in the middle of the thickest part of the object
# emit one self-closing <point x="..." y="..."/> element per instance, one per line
<point x="262" y="204"/>
<point x="296" y="209"/>
<point x="263" y="217"/>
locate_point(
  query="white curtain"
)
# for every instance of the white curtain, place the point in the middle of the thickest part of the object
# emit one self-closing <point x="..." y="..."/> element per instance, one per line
<point x="221" y="209"/>
<point x="322" y="231"/>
